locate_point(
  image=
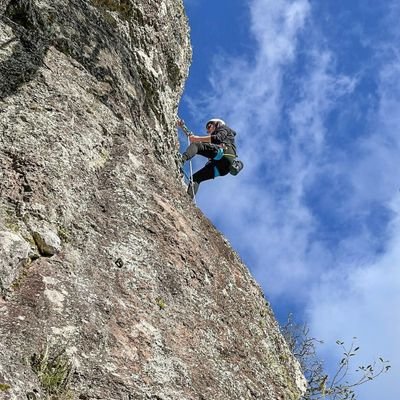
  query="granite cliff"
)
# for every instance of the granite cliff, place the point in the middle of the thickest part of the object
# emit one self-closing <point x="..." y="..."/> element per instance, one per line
<point x="113" y="285"/>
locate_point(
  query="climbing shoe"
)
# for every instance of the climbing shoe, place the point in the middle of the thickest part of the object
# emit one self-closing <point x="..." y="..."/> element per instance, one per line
<point x="192" y="189"/>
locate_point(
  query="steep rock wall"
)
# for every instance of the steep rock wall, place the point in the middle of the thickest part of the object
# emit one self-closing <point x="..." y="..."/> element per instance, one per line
<point x="113" y="285"/>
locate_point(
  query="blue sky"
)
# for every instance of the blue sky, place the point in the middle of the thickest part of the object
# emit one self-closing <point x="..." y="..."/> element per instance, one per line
<point x="313" y="90"/>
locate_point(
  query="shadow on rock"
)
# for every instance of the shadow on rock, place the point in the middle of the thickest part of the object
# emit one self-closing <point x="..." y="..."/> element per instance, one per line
<point x="29" y="51"/>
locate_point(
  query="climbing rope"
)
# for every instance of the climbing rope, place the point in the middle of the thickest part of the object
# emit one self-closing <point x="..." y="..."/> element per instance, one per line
<point x="191" y="176"/>
<point x="188" y="133"/>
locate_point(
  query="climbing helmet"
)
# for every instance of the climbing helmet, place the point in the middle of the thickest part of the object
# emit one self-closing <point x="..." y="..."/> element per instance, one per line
<point x="215" y="121"/>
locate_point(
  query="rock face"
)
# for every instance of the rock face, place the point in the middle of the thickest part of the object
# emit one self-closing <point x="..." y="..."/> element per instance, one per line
<point x="113" y="285"/>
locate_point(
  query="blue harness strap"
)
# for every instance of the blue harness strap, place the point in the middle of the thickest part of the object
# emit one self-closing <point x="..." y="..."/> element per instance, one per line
<point x="217" y="157"/>
<point x="219" y="154"/>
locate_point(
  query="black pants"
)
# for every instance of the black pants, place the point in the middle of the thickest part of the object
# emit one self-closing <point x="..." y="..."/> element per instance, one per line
<point x="212" y="169"/>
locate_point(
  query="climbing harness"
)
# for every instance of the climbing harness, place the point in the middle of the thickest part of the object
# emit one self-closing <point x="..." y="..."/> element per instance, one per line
<point x="219" y="155"/>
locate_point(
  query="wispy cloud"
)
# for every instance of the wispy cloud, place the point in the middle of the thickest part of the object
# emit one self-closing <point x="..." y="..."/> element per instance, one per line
<point x="316" y="223"/>
<point x="363" y="301"/>
<point x="281" y="146"/>
<point x="364" y="297"/>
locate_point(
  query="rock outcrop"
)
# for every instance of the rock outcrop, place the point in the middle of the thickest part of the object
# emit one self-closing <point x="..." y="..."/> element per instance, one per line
<point x="113" y="285"/>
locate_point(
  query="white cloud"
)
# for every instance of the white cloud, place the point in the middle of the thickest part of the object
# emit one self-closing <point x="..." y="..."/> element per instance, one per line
<point x="363" y="299"/>
<point x="352" y="290"/>
<point x="271" y="223"/>
<point x="364" y="302"/>
<point x="275" y="25"/>
<point x="381" y="147"/>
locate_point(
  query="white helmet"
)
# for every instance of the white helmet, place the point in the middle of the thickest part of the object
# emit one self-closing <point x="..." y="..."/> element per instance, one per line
<point x="216" y="121"/>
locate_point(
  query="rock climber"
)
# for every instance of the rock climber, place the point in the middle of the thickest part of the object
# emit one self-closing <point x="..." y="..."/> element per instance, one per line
<point x="218" y="146"/>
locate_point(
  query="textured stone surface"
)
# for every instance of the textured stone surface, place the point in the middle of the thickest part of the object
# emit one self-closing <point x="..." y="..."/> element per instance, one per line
<point x="143" y="297"/>
<point x="14" y="252"/>
<point x="47" y="241"/>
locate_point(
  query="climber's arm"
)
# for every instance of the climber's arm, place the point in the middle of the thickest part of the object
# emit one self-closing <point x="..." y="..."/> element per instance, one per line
<point x="202" y="139"/>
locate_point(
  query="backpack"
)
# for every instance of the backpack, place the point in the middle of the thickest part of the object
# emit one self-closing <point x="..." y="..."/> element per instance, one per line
<point x="236" y="167"/>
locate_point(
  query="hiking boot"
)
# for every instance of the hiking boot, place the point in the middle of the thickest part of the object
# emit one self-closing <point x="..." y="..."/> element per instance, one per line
<point x="192" y="189"/>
